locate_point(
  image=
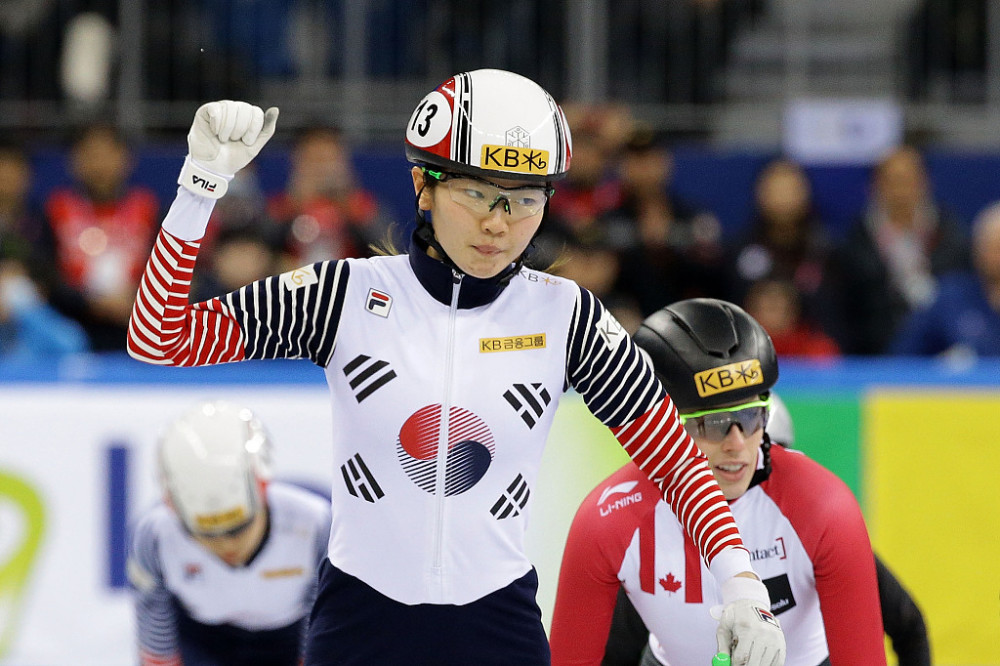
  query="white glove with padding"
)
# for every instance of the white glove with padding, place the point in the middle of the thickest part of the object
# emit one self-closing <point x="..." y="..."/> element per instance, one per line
<point x="748" y="631"/>
<point x="225" y="136"/>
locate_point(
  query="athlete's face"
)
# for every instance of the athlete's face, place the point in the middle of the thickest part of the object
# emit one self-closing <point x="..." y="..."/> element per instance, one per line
<point x="732" y="459"/>
<point x="236" y="549"/>
<point x="481" y="245"/>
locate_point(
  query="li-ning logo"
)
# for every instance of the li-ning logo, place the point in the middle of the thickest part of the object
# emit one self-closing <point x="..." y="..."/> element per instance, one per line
<point x="203" y="183"/>
<point x="623" y="489"/>
<point x="378" y="302"/>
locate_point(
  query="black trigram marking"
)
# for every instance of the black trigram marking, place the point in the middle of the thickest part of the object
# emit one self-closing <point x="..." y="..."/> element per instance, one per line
<point x="513" y="500"/>
<point x="359" y="480"/>
<point x="529" y="401"/>
<point x="367" y="376"/>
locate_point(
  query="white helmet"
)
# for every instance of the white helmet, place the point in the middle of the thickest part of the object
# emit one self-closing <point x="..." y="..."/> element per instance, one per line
<point x="779" y="422"/>
<point x="491" y="123"/>
<point x="214" y="462"/>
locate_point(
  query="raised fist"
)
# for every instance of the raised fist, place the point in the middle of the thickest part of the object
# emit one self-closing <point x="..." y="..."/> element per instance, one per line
<point x="224" y="137"/>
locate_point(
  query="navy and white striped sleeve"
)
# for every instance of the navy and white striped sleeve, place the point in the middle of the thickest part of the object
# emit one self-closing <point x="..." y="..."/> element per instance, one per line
<point x="620" y="388"/>
<point x="155" y="614"/>
<point x="606" y="368"/>
<point x="282" y="319"/>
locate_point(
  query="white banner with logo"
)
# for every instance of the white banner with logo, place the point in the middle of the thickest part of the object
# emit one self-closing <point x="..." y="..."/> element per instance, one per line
<point x="77" y="464"/>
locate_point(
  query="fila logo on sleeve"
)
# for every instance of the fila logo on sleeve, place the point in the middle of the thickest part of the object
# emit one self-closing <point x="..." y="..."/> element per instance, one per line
<point x="203" y="183"/>
<point x="378" y="302"/>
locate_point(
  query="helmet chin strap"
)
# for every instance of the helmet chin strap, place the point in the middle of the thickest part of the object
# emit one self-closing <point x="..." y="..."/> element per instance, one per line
<point x="760" y="475"/>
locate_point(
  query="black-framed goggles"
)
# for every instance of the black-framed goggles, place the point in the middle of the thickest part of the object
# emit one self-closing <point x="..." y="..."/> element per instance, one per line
<point x="714" y="424"/>
<point x="481" y="196"/>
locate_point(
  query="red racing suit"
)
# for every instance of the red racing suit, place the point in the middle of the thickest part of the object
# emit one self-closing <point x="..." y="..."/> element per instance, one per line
<point x="806" y="537"/>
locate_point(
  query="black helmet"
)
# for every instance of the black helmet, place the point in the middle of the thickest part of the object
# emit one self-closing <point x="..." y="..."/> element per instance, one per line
<point x="708" y="353"/>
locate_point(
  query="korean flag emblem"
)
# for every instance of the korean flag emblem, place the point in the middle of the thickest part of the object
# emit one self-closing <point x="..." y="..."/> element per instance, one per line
<point x="378" y="302"/>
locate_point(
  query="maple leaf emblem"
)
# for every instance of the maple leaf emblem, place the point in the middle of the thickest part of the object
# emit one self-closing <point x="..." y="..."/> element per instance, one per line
<point x="670" y="584"/>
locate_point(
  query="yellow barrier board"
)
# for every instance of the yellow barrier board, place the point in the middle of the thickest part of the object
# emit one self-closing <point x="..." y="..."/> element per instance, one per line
<point x="933" y="508"/>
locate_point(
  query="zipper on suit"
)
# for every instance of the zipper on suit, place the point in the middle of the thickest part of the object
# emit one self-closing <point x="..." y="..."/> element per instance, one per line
<point x="443" y="435"/>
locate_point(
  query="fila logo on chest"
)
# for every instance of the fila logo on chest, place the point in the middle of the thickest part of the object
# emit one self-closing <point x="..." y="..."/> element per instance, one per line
<point x="378" y="302"/>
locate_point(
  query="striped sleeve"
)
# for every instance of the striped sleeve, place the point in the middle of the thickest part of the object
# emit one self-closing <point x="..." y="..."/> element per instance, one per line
<point x="293" y="315"/>
<point x="156" y="622"/>
<point x="620" y="388"/>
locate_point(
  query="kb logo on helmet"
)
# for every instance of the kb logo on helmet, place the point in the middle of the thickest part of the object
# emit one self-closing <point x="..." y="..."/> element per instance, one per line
<point x="728" y="377"/>
<point x="514" y="158"/>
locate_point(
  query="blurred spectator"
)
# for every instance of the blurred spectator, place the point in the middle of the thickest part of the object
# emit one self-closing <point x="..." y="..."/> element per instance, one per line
<point x="21" y="224"/>
<point x="591" y="260"/>
<point x="591" y="188"/>
<point x="611" y="124"/>
<point x="964" y="318"/>
<point x="670" y="249"/>
<point x="29" y="327"/>
<point x="244" y="205"/>
<point x="786" y="239"/>
<point x="242" y="243"/>
<point x="776" y="304"/>
<point x="102" y="229"/>
<point x="241" y="254"/>
<point x="890" y="260"/>
<point x="326" y="213"/>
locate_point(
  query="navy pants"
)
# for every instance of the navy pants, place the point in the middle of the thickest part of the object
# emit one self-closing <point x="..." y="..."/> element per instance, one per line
<point x="354" y="625"/>
<point x="226" y="645"/>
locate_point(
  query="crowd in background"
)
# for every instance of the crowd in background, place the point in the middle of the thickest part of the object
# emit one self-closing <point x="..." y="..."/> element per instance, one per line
<point x="907" y="278"/>
<point x="70" y="264"/>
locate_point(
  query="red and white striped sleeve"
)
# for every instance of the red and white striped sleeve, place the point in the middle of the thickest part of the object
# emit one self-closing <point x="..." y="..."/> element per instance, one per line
<point x="621" y="390"/>
<point x="293" y="315"/>
<point x="147" y="659"/>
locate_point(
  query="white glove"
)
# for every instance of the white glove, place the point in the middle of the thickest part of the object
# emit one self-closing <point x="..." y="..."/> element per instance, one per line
<point x="748" y="632"/>
<point x="224" y="137"/>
